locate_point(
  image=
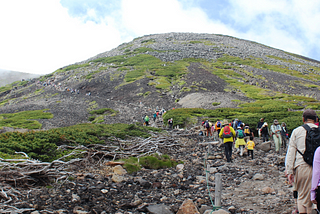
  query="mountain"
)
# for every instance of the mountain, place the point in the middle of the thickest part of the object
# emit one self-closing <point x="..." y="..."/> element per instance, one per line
<point x="7" y="77"/>
<point x="201" y="76"/>
<point x="172" y="70"/>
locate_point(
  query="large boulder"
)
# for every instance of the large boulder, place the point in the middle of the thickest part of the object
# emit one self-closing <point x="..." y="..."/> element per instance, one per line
<point x="266" y="146"/>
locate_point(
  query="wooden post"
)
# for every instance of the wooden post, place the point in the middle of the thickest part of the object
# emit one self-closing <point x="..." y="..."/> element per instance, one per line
<point x="218" y="188"/>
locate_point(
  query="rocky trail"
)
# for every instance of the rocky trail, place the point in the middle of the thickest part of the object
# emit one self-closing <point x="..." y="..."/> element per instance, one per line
<point x="95" y="184"/>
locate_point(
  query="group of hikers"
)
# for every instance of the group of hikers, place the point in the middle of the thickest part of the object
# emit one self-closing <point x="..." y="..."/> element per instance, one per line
<point x="243" y="132"/>
<point x="158" y="114"/>
<point x="302" y="162"/>
<point x="235" y="132"/>
<point x="51" y="82"/>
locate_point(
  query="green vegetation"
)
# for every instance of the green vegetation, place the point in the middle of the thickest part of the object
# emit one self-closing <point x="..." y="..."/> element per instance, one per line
<point x="43" y="145"/>
<point x="216" y="103"/>
<point x="68" y="68"/>
<point x="148" y="41"/>
<point x="228" y="62"/>
<point x="91" y="74"/>
<point x="103" y="111"/>
<point x="98" y="115"/>
<point x="24" y="119"/>
<point x="133" y="164"/>
<point x="140" y="65"/>
<point x="249" y="113"/>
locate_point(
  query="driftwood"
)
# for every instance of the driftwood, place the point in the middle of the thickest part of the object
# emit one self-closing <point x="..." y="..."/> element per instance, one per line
<point x="26" y="172"/>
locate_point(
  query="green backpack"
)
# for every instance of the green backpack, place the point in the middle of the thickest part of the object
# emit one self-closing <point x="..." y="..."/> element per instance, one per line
<point x="240" y="133"/>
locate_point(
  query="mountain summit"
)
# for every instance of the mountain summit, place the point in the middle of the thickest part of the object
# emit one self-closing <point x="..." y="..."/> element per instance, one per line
<point x="172" y="70"/>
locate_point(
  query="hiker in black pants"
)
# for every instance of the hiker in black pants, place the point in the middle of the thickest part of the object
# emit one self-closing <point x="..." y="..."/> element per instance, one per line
<point x="228" y="134"/>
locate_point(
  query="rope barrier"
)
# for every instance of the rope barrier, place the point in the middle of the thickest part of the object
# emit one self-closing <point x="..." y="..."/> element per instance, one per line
<point x="207" y="180"/>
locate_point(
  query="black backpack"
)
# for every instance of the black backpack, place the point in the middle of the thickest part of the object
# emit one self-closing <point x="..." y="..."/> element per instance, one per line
<point x="312" y="143"/>
<point x="207" y="125"/>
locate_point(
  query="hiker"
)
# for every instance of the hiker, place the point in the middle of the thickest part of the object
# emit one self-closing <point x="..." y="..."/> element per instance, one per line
<point x="240" y="143"/>
<point x="298" y="170"/>
<point x="284" y="134"/>
<point x="203" y="125"/>
<point x="213" y="131"/>
<point x="276" y="135"/>
<point x="218" y="126"/>
<point x="248" y="132"/>
<point x="154" y="116"/>
<point x="170" y="123"/>
<point x="228" y="134"/>
<point x="208" y="128"/>
<point x="294" y="187"/>
<point x="265" y="132"/>
<point x="250" y="147"/>
<point x="146" y="120"/>
<point x="235" y="124"/>
<point x="259" y="126"/>
<point x="315" y="189"/>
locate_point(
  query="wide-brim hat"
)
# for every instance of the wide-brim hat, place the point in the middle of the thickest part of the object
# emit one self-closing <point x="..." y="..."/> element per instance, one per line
<point x="276" y="122"/>
<point x="265" y="124"/>
<point x="225" y="122"/>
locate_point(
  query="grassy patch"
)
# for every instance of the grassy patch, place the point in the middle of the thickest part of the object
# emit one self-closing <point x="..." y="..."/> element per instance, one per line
<point x="91" y="74"/>
<point x="43" y="145"/>
<point x="154" y="161"/>
<point x="68" y="68"/>
<point x="98" y="115"/>
<point x="143" y="65"/>
<point x="103" y="111"/>
<point x="25" y="119"/>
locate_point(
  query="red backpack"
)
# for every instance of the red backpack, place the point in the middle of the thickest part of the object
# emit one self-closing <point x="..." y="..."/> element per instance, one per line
<point x="227" y="132"/>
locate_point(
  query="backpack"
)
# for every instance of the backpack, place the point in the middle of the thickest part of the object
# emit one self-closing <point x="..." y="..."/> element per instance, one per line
<point x="218" y="124"/>
<point x="146" y="119"/>
<point x="227" y="132"/>
<point x="240" y="133"/>
<point x="312" y="143"/>
<point x="207" y="125"/>
<point x="247" y="130"/>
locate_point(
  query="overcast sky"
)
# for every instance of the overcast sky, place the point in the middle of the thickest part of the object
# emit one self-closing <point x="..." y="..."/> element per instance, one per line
<point x="40" y="36"/>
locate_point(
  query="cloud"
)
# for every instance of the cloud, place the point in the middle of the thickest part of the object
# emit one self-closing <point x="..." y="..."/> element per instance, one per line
<point x="288" y="25"/>
<point x="148" y="17"/>
<point x="40" y="37"/>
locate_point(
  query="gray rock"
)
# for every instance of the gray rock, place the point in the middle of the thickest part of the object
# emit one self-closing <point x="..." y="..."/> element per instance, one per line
<point x="266" y="146"/>
<point x="216" y="212"/>
<point x="258" y="177"/>
<point x="159" y="209"/>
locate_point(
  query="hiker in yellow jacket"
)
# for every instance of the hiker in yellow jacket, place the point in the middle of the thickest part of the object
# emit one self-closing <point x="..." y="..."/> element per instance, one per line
<point x="250" y="146"/>
<point x="228" y="134"/>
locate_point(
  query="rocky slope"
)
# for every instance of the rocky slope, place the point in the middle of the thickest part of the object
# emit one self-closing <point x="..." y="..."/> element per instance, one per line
<point x="133" y="79"/>
<point x="111" y="85"/>
<point x="248" y="186"/>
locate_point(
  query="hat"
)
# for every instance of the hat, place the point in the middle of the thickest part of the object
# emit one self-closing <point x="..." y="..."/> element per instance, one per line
<point x="225" y="122"/>
<point x="265" y="124"/>
<point x="276" y="122"/>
